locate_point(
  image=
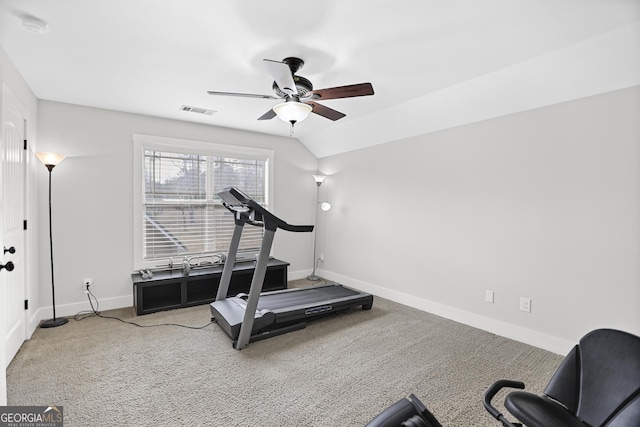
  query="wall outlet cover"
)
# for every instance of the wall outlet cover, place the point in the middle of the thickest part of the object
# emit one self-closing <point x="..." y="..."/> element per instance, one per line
<point x="488" y="296"/>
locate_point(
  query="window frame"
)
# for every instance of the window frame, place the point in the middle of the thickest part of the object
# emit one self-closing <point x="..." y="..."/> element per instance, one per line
<point x="143" y="142"/>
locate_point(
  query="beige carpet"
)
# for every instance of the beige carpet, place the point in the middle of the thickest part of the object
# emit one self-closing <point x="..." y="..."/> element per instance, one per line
<point x="339" y="371"/>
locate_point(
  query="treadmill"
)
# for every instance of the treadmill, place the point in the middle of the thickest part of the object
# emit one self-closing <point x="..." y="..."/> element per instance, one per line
<point x="256" y="316"/>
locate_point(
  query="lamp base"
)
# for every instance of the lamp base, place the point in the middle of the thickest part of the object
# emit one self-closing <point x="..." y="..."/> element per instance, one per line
<point x="314" y="278"/>
<point x="52" y="323"/>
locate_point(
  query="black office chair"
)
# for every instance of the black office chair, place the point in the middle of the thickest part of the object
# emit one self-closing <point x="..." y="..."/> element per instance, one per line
<point x="597" y="385"/>
<point x="407" y="412"/>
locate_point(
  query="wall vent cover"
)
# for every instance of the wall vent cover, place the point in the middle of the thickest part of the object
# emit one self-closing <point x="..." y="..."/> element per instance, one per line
<point x="198" y="110"/>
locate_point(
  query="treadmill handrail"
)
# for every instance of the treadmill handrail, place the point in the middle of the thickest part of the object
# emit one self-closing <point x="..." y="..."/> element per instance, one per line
<point x="236" y="201"/>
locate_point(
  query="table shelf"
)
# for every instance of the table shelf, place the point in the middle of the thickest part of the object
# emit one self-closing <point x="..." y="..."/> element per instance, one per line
<point x="171" y="289"/>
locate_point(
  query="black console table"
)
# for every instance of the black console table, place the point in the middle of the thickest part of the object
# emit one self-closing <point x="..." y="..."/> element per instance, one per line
<point x="171" y="289"/>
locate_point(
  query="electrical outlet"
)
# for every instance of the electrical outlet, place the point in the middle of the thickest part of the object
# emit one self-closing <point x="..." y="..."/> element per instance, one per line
<point x="525" y="304"/>
<point x="488" y="296"/>
<point x="87" y="284"/>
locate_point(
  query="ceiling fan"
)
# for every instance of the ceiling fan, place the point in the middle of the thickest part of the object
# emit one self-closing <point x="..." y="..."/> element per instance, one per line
<point x="298" y="93"/>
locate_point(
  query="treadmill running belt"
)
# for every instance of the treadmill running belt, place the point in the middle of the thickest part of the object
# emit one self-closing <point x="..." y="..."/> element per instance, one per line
<point x="303" y="297"/>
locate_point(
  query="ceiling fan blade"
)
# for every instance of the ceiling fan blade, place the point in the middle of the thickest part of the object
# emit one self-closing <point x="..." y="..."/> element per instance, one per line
<point x="243" y="95"/>
<point x="324" y="111"/>
<point x="268" y="115"/>
<point x="349" y="91"/>
<point x="282" y="75"/>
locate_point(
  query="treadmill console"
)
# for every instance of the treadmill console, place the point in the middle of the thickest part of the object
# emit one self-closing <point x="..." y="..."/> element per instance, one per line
<point x="231" y="196"/>
<point x="247" y="209"/>
<point x="242" y="206"/>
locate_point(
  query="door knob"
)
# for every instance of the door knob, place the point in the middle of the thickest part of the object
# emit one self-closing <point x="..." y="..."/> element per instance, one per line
<point x="9" y="266"/>
<point x="11" y="250"/>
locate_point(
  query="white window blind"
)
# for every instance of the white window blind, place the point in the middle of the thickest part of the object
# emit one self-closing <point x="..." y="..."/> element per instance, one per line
<point x="181" y="212"/>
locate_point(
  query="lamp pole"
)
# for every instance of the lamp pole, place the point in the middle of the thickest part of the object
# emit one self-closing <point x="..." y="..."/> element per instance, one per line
<point x="50" y="160"/>
<point x="319" y="179"/>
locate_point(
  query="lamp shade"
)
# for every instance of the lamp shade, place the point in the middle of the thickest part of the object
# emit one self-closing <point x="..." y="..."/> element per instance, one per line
<point x="49" y="159"/>
<point x="292" y="111"/>
<point x="325" y="206"/>
<point x="319" y="178"/>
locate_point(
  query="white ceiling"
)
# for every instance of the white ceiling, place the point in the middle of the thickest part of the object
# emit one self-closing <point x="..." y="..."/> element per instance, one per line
<point x="433" y="63"/>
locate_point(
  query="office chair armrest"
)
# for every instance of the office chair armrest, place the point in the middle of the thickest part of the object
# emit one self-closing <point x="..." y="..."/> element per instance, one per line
<point x="492" y="391"/>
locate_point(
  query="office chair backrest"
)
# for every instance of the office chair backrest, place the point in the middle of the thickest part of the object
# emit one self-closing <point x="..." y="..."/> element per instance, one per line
<point x="599" y="381"/>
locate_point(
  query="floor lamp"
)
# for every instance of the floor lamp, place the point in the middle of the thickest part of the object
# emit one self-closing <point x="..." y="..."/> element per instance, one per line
<point x="325" y="206"/>
<point x="51" y="160"/>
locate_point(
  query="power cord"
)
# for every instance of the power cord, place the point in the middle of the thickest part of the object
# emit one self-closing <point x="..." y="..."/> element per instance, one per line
<point x="95" y="313"/>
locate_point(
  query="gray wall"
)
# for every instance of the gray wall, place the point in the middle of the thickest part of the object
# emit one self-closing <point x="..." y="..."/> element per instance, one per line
<point x="93" y="197"/>
<point x="542" y="204"/>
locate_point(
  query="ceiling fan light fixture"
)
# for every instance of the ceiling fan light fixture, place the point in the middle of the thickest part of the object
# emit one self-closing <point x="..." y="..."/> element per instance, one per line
<point x="292" y="111"/>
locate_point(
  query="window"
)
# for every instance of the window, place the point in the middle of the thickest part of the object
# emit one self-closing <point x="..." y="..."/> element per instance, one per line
<point x="178" y="213"/>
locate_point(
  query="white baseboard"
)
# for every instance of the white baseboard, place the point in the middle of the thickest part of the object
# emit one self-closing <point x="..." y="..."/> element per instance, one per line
<point x="528" y="336"/>
<point x="70" y="310"/>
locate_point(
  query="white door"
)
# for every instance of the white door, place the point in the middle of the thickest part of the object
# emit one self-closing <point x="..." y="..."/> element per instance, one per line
<point x="3" y="297"/>
<point x="13" y="240"/>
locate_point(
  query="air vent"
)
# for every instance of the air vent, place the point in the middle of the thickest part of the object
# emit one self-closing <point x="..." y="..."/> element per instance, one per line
<point x="198" y="110"/>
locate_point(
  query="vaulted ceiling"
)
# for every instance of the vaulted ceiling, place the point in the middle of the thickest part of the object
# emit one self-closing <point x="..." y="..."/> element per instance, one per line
<point x="433" y="64"/>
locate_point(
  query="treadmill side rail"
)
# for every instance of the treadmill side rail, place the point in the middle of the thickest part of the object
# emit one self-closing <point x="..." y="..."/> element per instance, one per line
<point x="230" y="312"/>
<point x="273" y="332"/>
